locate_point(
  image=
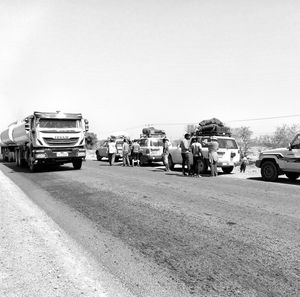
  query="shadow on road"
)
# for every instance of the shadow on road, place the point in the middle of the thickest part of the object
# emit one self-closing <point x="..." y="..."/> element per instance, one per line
<point x="48" y="168"/>
<point x="280" y="180"/>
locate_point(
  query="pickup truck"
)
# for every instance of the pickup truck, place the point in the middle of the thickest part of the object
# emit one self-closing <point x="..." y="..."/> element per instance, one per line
<point x="281" y="161"/>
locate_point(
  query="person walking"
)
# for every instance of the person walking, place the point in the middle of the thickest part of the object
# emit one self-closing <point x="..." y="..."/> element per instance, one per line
<point x="185" y="150"/>
<point x="197" y="155"/>
<point x="112" y="149"/>
<point x="213" y="158"/>
<point x="125" y="152"/>
<point x="244" y="163"/>
<point x="136" y="150"/>
<point x="166" y="153"/>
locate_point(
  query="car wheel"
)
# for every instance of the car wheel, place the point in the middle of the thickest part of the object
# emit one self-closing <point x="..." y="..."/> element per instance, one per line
<point x="227" y="170"/>
<point x="171" y="164"/>
<point x="269" y="171"/>
<point x="203" y="166"/>
<point x="292" y="175"/>
<point x="99" y="158"/>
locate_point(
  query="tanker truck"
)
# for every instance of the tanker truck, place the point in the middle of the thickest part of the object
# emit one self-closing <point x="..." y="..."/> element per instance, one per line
<point x="45" y="138"/>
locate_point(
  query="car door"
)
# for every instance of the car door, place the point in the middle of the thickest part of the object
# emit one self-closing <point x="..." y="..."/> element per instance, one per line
<point x="293" y="155"/>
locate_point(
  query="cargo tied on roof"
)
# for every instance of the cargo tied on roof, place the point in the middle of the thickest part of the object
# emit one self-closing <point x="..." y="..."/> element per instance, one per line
<point x="212" y="127"/>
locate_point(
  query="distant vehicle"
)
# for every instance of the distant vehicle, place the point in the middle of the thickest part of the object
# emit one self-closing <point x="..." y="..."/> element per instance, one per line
<point x="228" y="153"/>
<point x="281" y="161"/>
<point x="151" y="142"/>
<point x="45" y="138"/>
<point x="102" y="151"/>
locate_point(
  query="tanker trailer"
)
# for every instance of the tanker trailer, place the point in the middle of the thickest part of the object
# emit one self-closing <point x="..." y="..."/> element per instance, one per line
<point x="46" y="138"/>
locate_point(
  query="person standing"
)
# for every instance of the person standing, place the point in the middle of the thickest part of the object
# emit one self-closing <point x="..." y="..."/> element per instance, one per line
<point x="111" y="151"/>
<point x="213" y="158"/>
<point x="185" y="150"/>
<point x="125" y="152"/>
<point x="136" y="150"/>
<point x="197" y="155"/>
<point x="244" y="163"/>
<point x="166" y="153"/>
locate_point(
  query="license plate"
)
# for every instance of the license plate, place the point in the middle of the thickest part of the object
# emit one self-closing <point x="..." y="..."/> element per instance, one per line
<point x="62" y="154"/>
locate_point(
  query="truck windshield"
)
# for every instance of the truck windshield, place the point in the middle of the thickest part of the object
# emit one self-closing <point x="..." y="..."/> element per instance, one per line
<point x="59" y="123"/>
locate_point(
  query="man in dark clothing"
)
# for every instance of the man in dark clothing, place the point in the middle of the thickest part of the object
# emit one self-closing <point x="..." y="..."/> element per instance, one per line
<point x="197" y="155"/>
<point x="136" y="151"/>
<point x="185" y="151"/>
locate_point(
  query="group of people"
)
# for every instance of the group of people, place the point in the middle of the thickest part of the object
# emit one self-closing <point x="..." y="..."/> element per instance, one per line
<point x="130" y="150"/>
<point x="187" y="146"/>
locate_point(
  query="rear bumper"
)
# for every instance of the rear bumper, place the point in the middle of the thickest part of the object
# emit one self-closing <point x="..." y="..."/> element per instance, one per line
<point x="227" y="164"/>
<point x="153" y="158"/>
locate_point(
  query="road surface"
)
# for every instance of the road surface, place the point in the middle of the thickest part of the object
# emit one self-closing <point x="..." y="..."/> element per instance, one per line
<point x="151" y="233"/>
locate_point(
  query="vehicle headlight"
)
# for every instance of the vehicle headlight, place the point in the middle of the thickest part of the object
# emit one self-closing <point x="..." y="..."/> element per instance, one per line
<point x="40" y="156"/>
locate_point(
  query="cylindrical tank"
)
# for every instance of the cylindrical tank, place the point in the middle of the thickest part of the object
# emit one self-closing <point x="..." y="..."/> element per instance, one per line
<point x="6" y="135"/>
<point x="15" y="134"/>
<point x="19" y="134"/>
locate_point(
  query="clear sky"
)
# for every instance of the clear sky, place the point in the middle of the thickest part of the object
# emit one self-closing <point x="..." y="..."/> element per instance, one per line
<point x="128" y="63"/>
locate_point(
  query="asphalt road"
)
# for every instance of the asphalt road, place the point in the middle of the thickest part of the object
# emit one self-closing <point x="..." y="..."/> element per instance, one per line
<point x="162" y="234"/>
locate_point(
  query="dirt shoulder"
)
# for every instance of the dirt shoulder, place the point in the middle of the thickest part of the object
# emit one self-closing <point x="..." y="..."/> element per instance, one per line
<point x="37" y="258"/>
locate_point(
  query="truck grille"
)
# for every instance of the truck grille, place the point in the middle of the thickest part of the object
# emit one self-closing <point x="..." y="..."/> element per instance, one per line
<point x="61" y="142"/>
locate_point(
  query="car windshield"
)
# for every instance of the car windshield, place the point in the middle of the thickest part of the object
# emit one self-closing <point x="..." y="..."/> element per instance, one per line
<point x="143" y="142"/>
<point x="156" y="142"/>
<point x="59" y="123"/>
<point x="223" y="143"/>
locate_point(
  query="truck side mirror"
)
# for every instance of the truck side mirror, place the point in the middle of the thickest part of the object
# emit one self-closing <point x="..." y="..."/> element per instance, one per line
<point x="86" y="122"/>
<point x="290" y="146"/>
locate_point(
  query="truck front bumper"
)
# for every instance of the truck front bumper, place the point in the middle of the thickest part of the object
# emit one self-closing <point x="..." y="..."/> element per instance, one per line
<point x="45" y="154"/>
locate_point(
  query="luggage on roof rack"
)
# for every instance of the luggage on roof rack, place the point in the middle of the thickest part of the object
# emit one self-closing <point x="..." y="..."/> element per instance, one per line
<point x="152" y="132"/>
<point x="212" y="127"/>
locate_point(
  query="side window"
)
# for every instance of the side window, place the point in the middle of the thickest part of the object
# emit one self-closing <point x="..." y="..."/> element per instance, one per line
<point x="296" y="143"/>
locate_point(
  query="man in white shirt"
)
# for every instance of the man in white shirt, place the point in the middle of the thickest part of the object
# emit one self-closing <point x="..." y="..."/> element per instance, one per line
<point x="111" y="151"/>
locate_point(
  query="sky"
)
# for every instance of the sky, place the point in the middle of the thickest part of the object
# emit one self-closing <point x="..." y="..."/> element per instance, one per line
<point x="127" y="64"/>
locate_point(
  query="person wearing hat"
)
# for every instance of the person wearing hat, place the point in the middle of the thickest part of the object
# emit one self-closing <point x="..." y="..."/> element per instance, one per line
<point x="185" y="151"/>
<point x="213" y="158"/>
<point x="197" y="155"/>
<point x="166" y="145"/>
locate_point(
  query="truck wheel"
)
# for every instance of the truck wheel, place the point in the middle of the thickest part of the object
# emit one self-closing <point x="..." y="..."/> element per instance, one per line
<point x="227" y="170"/>
<point x="292" y="175"/>
<point x="171" y="164"/>
<point x="269" y="171"/>
<point x="203" y="166"/>
<point x="32" y="167"/>
<point x="18" y="155"/>
<point x="77" y="164"/>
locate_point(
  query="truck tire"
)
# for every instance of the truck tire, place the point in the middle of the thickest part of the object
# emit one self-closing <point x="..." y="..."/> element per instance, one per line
<point x="227" y="170"/>
<point x="171" y="164"/>
<point x="269" y="171"/>
<point x="32" y="167"/>
<point x="292" y="175"/>
<point x="77" y="164"/>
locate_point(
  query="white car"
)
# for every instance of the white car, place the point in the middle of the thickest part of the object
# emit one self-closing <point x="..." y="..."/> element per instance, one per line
<point x="228" y="152"/>
<point x="281" y="161"/>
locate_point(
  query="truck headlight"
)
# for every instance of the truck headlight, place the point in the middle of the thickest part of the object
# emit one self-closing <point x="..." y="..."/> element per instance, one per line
<point x="40" y="156"/>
